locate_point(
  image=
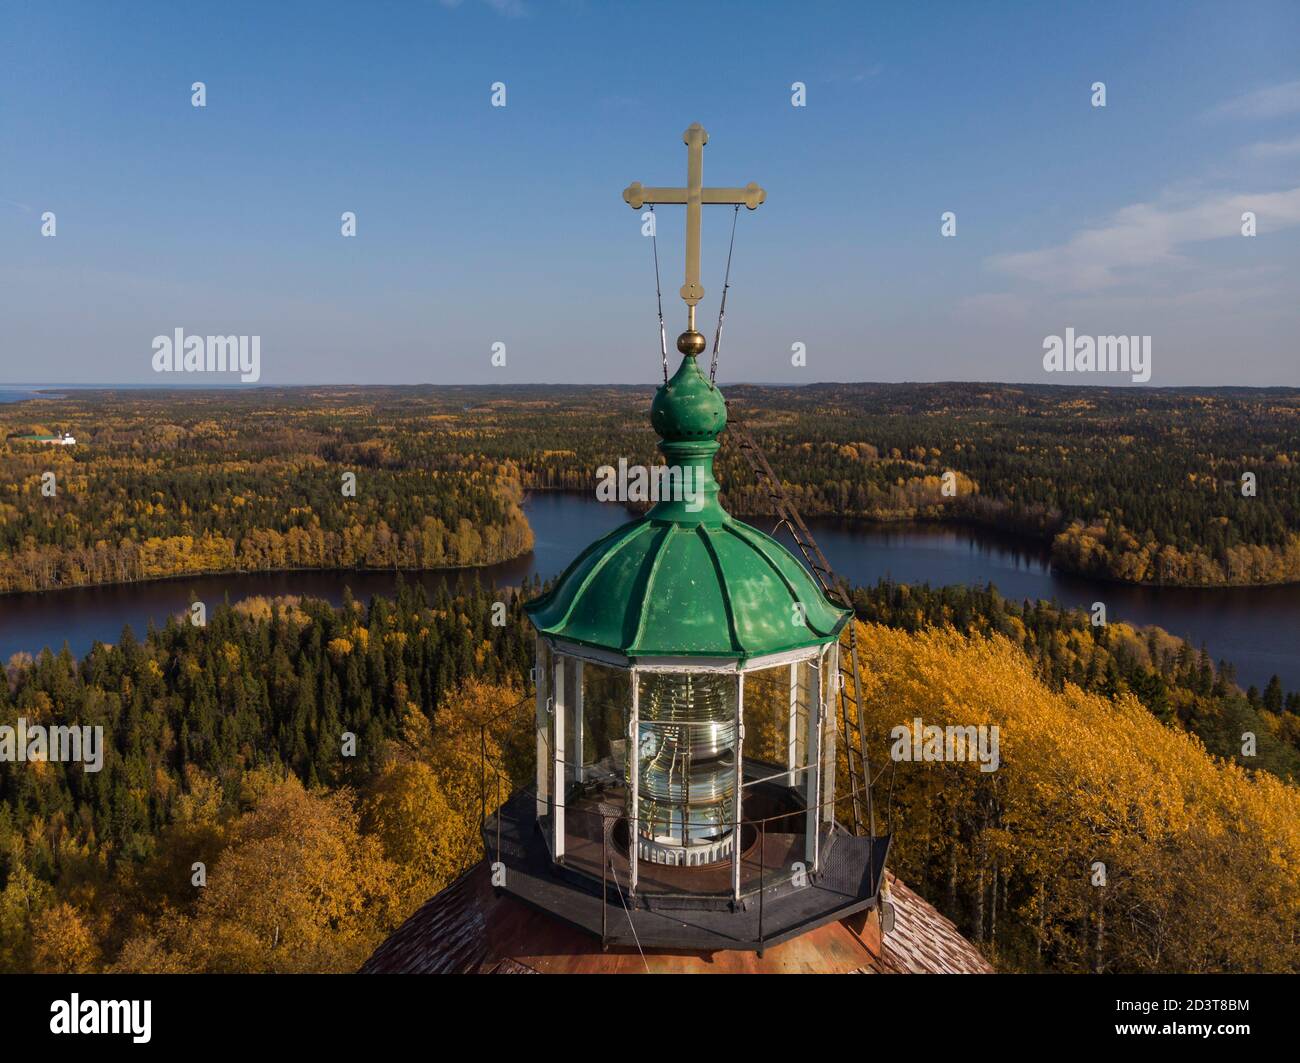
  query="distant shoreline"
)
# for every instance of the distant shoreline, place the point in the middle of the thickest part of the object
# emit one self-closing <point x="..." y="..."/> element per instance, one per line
<point x="278" y="570"/>
<point x="10" y="396"/>
<point x="1043" y="385"/>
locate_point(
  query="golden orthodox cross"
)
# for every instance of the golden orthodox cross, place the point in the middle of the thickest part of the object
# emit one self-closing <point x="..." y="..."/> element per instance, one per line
<point x="694" y="195"/>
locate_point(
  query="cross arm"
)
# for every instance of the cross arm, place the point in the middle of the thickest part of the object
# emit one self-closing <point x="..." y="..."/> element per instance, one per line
<point x="636" y="195"/>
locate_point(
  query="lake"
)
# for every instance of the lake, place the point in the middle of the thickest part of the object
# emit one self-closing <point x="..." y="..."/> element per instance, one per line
<point x="1256" y="628"/>
<point x="15" y="394"/>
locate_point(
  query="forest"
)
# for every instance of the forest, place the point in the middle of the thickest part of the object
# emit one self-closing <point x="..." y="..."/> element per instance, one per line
<point x="1187" y="486"/>
<point x="228" y="751"/>
<point x="1107" y="841"/>
<point x="223" y="482"/>
<point x="1176" y="486"/>
<point x="228" y="746"/>
<point x="284" y="785"/>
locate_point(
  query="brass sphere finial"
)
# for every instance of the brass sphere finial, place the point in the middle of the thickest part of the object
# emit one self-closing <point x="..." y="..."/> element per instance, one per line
<point x="691" y="342"/>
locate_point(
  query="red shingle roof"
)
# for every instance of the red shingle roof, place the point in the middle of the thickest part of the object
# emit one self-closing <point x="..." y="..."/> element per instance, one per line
<point x="923" y="941"/>
<point x="469" y="929"/>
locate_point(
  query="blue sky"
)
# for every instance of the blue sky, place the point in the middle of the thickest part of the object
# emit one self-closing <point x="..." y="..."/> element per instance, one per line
<point x="479" y="225"/>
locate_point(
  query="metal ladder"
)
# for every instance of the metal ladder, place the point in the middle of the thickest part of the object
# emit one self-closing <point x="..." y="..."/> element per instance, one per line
<point x="860" y="780"/>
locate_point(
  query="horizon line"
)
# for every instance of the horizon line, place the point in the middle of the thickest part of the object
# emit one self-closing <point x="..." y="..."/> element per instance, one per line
<point x="1101" y="386"/>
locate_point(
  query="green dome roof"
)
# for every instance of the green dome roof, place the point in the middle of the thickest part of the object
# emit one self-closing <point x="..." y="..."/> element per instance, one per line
<point x="660" y="588"/>
<point x="688" y="580"/>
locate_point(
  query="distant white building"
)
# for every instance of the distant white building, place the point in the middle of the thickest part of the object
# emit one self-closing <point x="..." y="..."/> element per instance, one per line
<point x="65" y="440"/>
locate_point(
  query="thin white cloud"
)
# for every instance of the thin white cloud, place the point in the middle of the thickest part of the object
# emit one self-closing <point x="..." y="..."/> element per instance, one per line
<point x="1274" y="149"/>
<point x="1272" y="102"/>
<point x="1145" y="237"/>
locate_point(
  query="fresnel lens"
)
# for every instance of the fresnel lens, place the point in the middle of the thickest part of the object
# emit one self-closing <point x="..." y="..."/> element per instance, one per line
<point x="686" y="764"/>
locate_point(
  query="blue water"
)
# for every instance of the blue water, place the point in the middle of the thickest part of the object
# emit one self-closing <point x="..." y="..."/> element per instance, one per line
<point x="8" y="394"/>
<point x="80" y="616"/>
<point x="1254" y="627"/>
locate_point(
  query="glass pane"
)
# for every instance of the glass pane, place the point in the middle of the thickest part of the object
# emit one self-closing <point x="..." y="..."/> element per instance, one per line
<point x="543" y="727"/>
<point x="606" y="701"/>
<point x="804" y="690"/>
<point x="776" y="716"/>
<point x="572" y="748"/>
<point x="832" y="805"/>
<point x="779" y="778"/>
<point x="767" y="705"/>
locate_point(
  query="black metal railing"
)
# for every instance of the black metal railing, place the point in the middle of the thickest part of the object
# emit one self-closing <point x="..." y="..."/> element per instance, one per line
<point x="608" y="868"/>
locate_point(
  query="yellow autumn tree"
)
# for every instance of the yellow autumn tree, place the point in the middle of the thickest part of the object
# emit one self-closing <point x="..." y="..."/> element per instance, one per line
<point x="62" y="943"/>
<point x="298" y="888"/>
<point x="419" y="831"/>
<point x="1104" y="841"/>
<point x="475" y="718"/>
